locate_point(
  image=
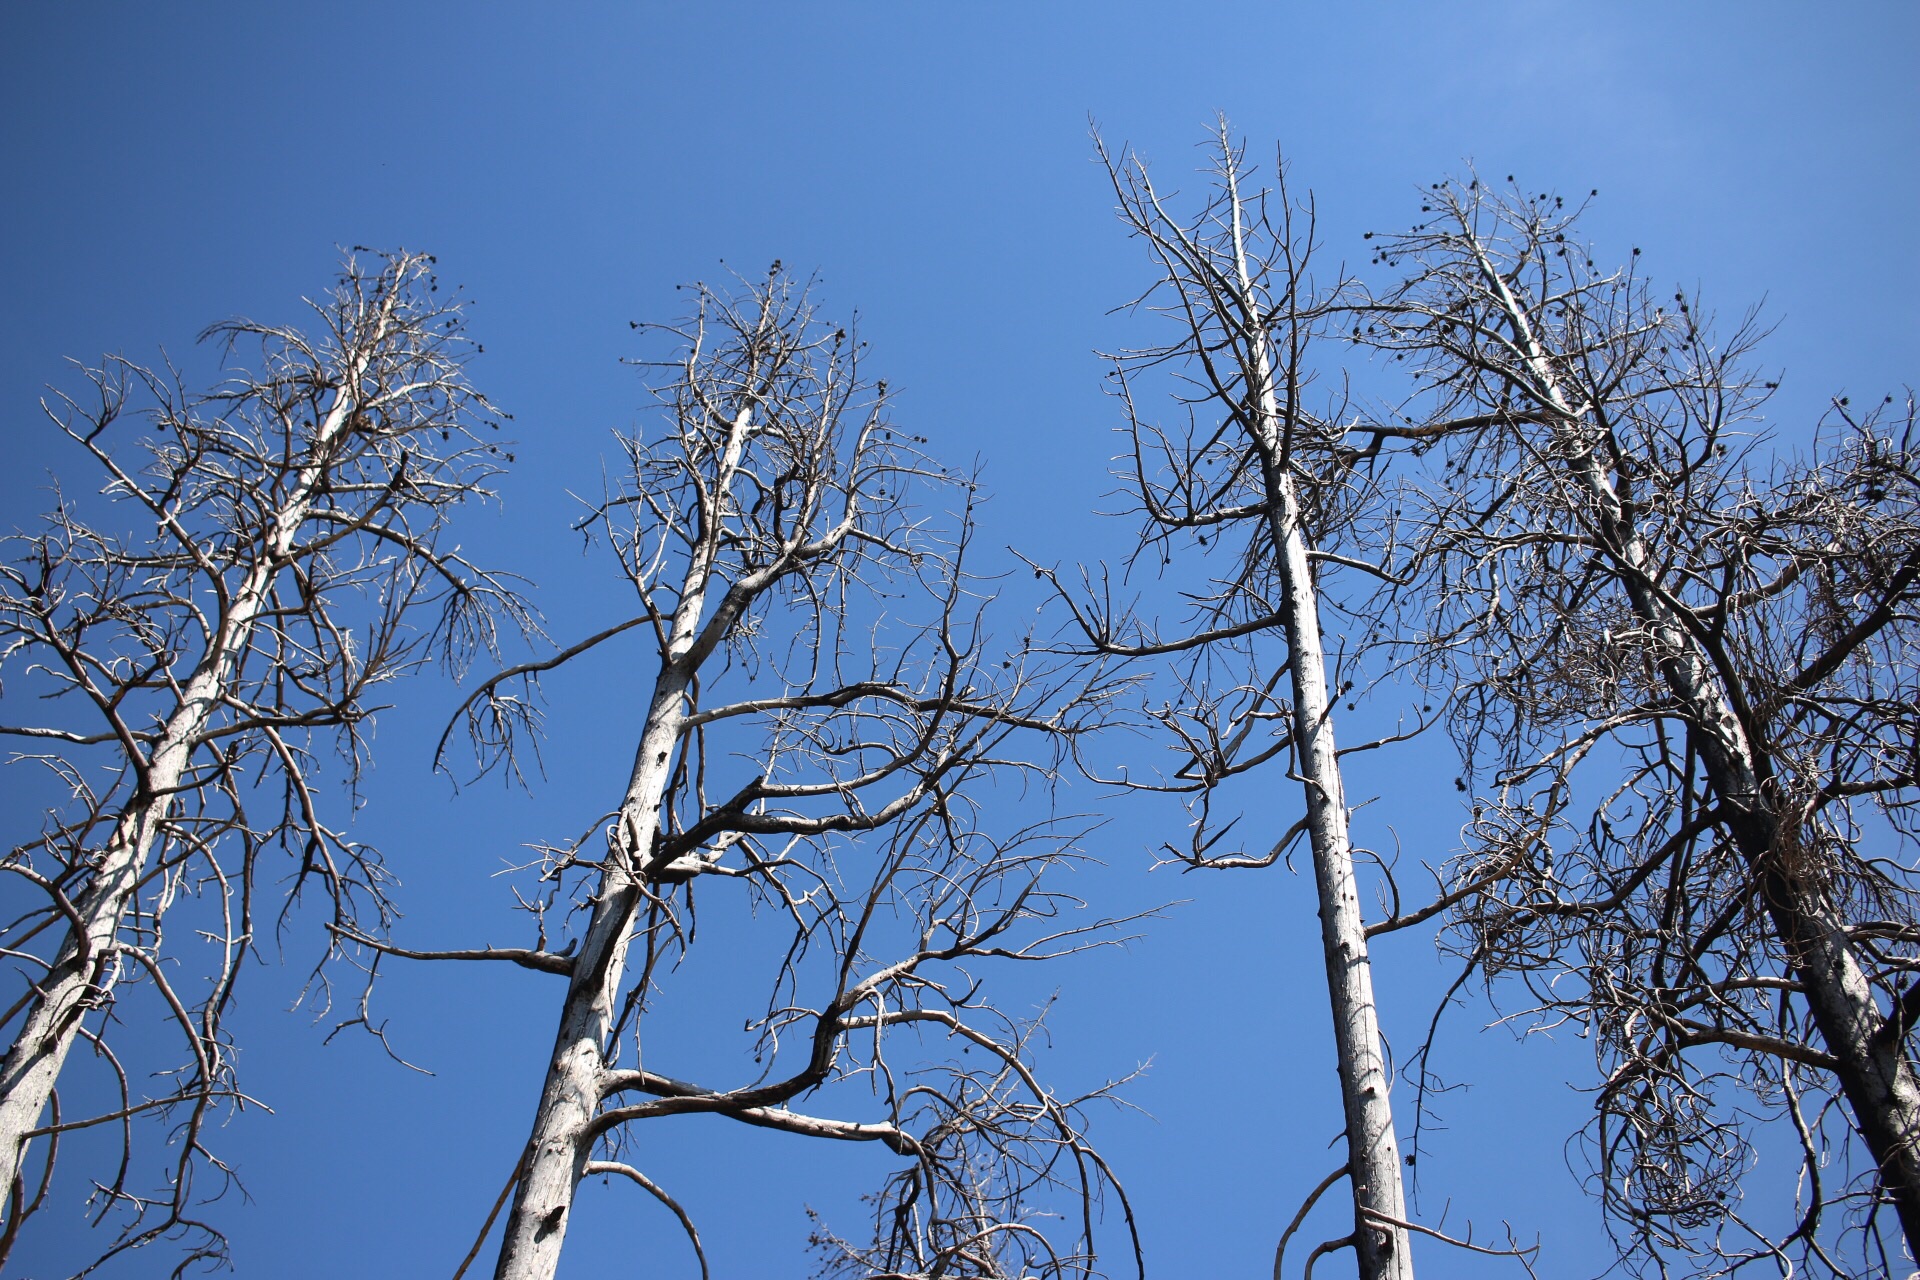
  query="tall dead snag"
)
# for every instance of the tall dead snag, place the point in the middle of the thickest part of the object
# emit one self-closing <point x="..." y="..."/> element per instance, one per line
<point x="823" y="712"/>
<point x="1284" y="495"/>
<point x="277" y="546"/>
<point x="1696" y="676"/>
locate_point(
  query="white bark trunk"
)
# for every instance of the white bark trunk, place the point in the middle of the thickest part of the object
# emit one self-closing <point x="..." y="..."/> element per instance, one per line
<point x="561" y="1142"/>
<point x="1373" y="1150"/>
<point x="1873" y="1069"/>
<point x="87" y="962"/>
<point x="557" y="1151"/>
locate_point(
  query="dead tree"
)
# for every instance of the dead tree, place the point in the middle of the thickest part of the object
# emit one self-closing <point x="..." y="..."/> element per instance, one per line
<point x="825" y="711"/>
<point x="1263" y="479"/>
<point x="257" y="571"/>
<point x="1688" y="676"/>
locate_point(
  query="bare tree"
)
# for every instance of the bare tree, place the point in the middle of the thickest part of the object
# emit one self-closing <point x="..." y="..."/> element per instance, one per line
<point x="1276" y="489"/>
<point x="825" y="711"/>
<point x="277" y="540"/>
<point x="1692" y="674"/>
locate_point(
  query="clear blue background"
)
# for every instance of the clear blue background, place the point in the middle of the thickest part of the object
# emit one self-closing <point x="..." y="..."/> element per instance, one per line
<point x="168" y="166"/>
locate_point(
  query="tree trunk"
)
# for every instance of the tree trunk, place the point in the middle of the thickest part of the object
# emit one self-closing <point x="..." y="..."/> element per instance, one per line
<point x="1874" y="1071"/>
<point x="562" y="1138"/>
<point x="1871" y="1065"/>
<point x="80" y="979"/>
<point x="1875" y="1075"/>
<point x="556" y="1154"/>
<point x="86" y="963"/>
<point x="1373" y="1151"/>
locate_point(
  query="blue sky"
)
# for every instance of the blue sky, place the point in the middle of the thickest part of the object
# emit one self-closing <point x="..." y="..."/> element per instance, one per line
<point x="167" y="167"/>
